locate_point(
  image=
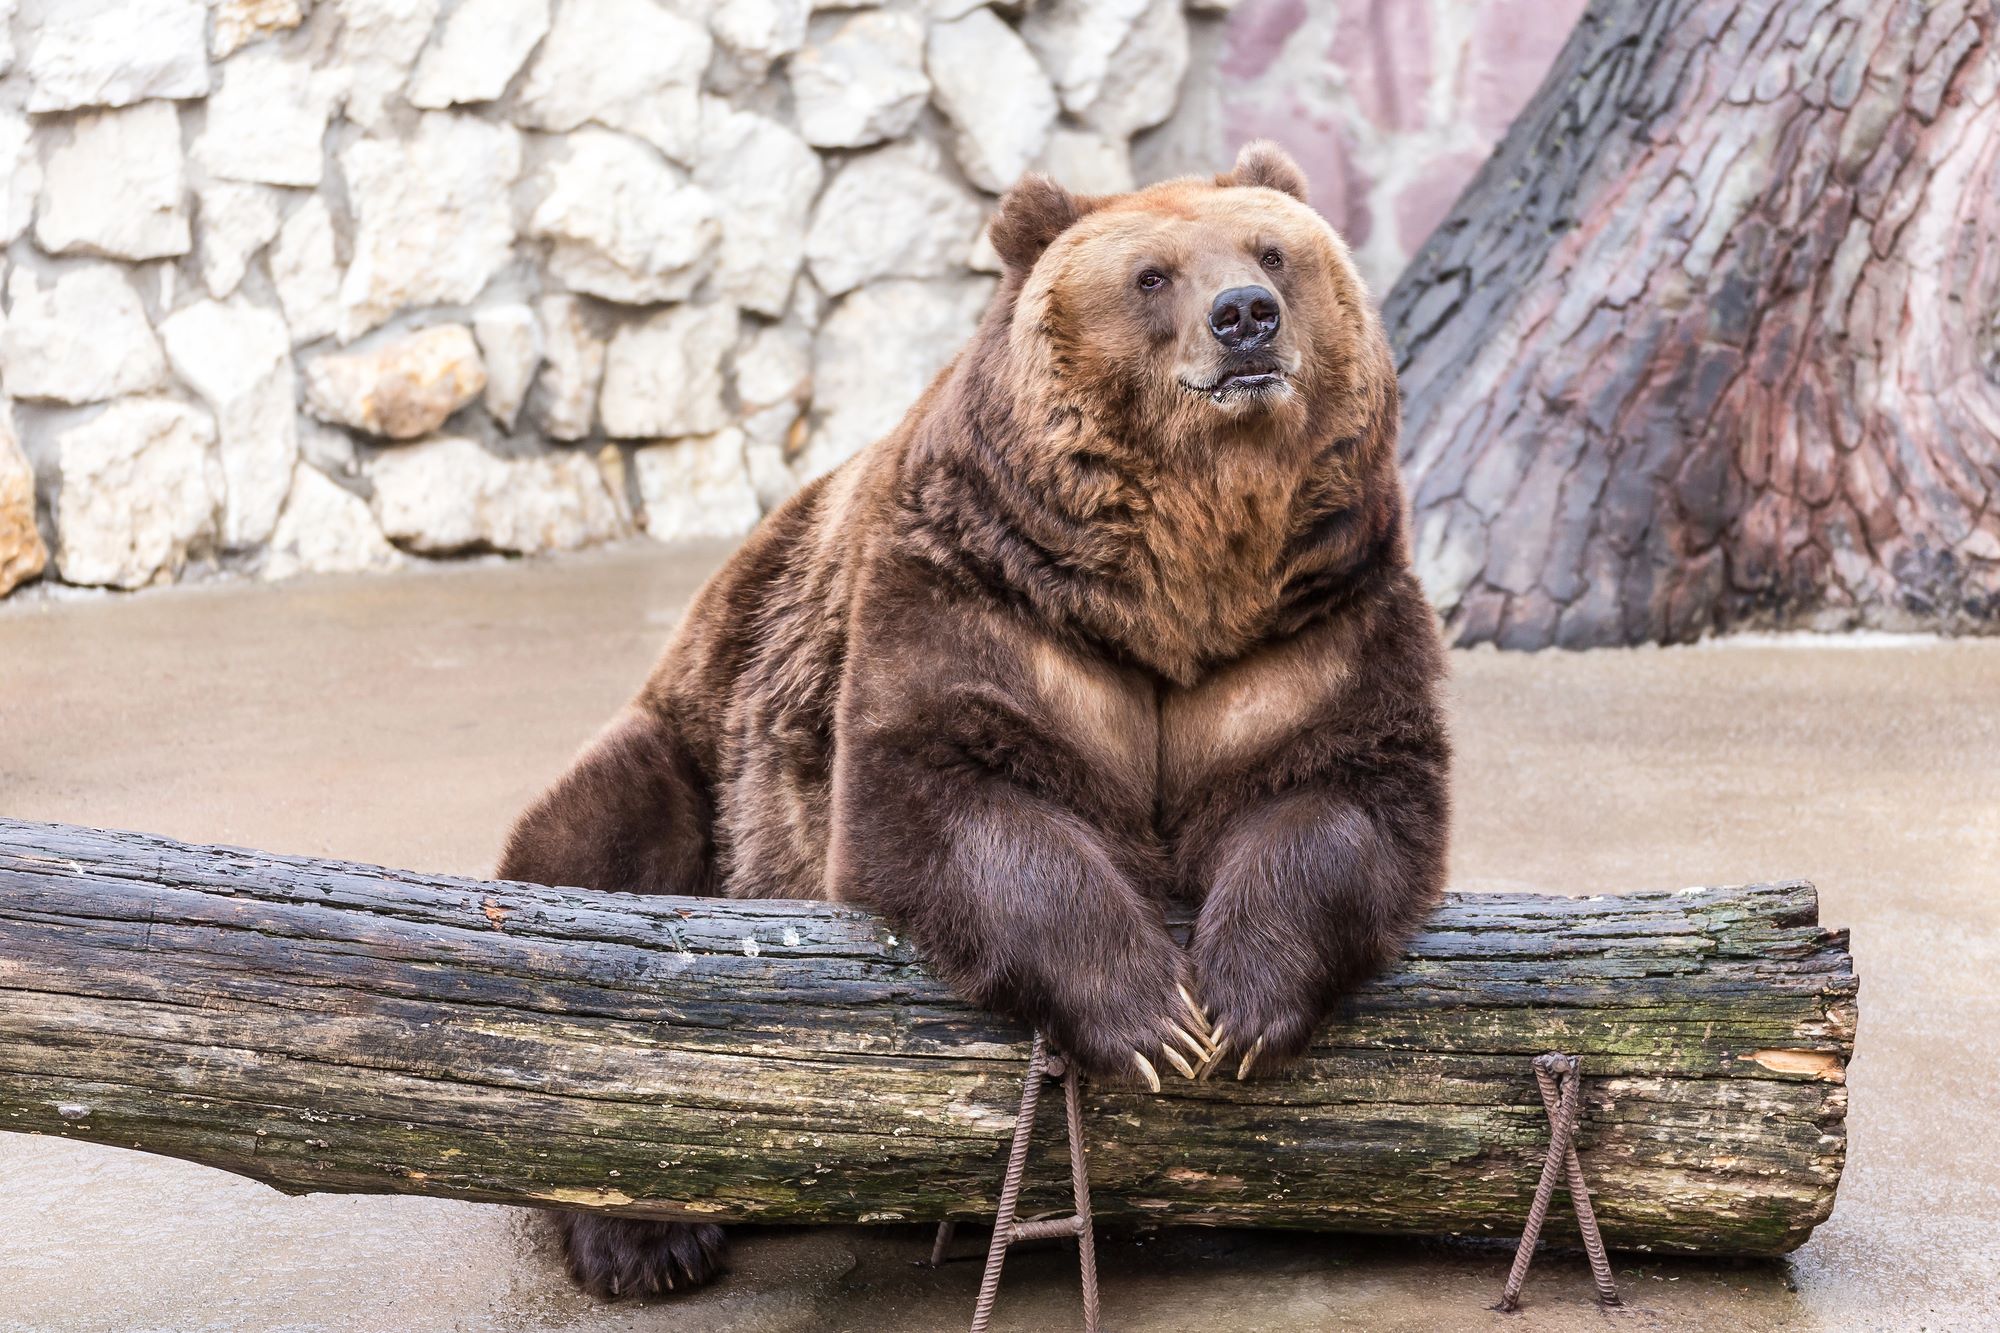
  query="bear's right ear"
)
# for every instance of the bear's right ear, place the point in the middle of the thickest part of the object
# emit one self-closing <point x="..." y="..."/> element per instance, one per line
<point x="1265" y="164"/>
<point x="1032" y="214"/>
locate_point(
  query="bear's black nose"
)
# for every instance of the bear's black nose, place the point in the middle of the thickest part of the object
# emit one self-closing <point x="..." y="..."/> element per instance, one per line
<point x="1244" y="318"/>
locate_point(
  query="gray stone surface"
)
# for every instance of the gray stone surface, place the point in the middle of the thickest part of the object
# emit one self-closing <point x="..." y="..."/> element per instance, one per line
<point x="306" y="273"/>
<point x="326" y="529"/>
<point x="378" y="44"/>
<point x="864" y="83"/>
<point x="755" y="33"/>
<point x="892" y="213"/>
<point x="234" y="24"/>
<point x="81" y="337"/>
<point x="232" y="223"/>
<point x="1076" y="41"/>
<point x="23" y="555"/>
<point x="663" y="377"/>
<point x="435" y="218"/>
<point x="564" y="400"/>
<point x="763" y="179"/>
<point x="1143" y="81"/>
<point x="141" y="489"/>
<point x="623" y="223"/>
<point x="771" y="437"/>
<point x="97" y="53"/>
<point x="631" y="65"/>
<point x="118" y="187"/>
<point x="477" y="51"/>
<point x="696" y="488"/>
<point x="707" y="184"/>
<point x="449" y="495"/>
<point x="874" y="354"/>
<point x="1087" y="162"/>
<point x="267" y="120"/>
<point x="331" y="449"/>
<point x="510" y="343"/>
<point x="1000" y="104"/>
<point x="774" y="365"/>
<point x="237" y="357"/>
<point x="20" y="174"/>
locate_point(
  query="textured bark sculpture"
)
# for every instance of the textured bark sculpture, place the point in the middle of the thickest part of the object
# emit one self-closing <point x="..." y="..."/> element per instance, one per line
<point x="1714" y="338"/>
<point x="326" y="1026"/>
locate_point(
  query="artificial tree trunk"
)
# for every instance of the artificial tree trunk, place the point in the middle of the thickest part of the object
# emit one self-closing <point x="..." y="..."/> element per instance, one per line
<point x="1713" y="340"/>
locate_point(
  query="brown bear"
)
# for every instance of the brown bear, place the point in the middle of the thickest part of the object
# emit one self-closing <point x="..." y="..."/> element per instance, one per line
<point x="1121" y="615"/>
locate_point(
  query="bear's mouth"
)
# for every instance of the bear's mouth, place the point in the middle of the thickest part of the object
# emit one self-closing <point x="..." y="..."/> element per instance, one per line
<point x="1255" y="379"/>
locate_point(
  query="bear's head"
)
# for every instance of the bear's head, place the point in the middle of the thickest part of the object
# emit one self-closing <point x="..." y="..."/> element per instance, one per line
<point x="1191" y="313"/>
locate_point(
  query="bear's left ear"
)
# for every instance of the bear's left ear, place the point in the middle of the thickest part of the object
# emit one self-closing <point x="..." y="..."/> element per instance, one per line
<point x="1264" y="163"/>
<point x="1032" y="214"/>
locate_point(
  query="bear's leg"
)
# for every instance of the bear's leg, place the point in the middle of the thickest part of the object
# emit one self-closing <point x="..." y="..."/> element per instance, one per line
<point x="610" y="1257"/>
<point x="1308" y="895"/>
<point x="632" y="815"/>
<point x="1017" y="850"/>
<point x="1024" y="908"/>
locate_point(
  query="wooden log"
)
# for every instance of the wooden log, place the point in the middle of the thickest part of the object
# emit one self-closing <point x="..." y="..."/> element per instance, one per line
<point x="320" y="1025"/>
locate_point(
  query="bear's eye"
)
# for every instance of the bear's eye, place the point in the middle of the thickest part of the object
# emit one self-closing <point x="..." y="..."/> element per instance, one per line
<point x="1152" y="280"/>
<point x="1272" y="259"/>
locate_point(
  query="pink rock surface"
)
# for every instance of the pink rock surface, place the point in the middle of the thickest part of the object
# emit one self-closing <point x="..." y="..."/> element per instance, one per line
<point x="1513" y="44"/>
<point x="1257" y="32"/>
<point x="1384" y="46"/>
<point x="1389" y="105"/>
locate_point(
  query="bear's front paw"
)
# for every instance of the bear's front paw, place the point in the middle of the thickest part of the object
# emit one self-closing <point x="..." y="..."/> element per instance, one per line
<point x="1264" y="1019"/>
<point x="610" y="1257"/>
<point x="1120" y="1032"/>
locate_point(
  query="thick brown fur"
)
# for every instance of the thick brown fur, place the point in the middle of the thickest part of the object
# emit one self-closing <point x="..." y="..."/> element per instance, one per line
<point x="1092" y="631"/>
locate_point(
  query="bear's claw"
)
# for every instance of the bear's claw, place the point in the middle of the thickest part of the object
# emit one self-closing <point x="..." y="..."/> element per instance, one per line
<point x="1196" y="1047"/>
<point x="1218" y="1047"/>
<point x="1249" y="1059"/>
<point x="1195" y="1011"/>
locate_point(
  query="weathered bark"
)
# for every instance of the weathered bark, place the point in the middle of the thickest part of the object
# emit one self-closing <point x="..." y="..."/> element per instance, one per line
<point x="1713" y="340"/>
<point x="326" y="1026"/>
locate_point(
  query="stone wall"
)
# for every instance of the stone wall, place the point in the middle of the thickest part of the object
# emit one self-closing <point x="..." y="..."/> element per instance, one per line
<point x="337" y="285"/>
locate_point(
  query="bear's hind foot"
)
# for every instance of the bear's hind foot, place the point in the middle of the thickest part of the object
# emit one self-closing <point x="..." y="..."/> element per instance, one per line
<point x="613" y="1257"/>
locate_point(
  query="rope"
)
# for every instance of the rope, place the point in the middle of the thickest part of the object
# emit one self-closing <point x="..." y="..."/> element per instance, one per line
<point x="1560" y="1079"/>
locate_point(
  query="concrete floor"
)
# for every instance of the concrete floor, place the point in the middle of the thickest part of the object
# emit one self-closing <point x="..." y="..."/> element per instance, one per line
<point x="403" y="720"/>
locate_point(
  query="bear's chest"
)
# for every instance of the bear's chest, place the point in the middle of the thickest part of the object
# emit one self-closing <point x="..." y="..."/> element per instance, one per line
<point x="1169" y="743"/>
<point x="1244" y="716"/>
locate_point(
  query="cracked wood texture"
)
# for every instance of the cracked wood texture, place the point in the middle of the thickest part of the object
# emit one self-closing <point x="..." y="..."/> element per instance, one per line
<point x="320" y="1025"/>
<point x="1713" y="340"/>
